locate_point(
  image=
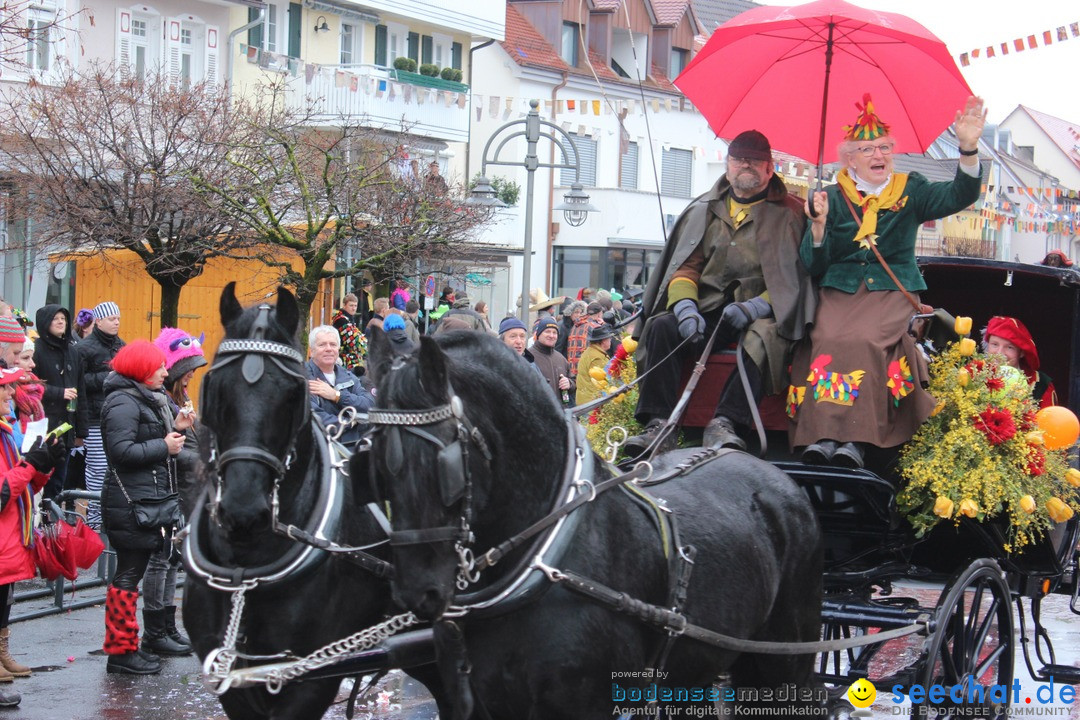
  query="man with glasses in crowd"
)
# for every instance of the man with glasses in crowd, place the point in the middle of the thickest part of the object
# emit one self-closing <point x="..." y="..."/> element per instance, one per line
<point x="733" y="260"/>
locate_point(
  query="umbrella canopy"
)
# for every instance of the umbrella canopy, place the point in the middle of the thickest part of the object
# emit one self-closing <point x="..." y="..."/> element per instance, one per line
<point x="775" y="69"/>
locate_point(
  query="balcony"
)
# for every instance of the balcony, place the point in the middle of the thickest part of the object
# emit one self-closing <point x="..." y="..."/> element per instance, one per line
<point x="375" y="96"/>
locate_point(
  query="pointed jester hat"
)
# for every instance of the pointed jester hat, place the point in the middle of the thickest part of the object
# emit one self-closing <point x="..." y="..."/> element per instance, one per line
<point x="868" y="126"/>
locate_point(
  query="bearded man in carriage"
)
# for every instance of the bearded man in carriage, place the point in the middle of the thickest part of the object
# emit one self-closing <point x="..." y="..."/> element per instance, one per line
<point x="732" y="260"/>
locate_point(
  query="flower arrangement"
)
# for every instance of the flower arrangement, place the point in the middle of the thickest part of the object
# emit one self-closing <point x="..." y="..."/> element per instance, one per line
<point x="620" y="370"/>
<point x="982" y="454"/>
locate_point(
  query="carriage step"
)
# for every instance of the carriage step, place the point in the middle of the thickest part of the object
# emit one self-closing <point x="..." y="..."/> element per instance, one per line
<point x="1064" y="674"/>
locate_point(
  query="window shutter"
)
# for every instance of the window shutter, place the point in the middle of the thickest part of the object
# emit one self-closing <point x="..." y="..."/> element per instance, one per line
<point x="212" y="55"/>
<point x="255" y="34"/>
<point x="172" y="48"/>
<point x="380" y="45"/>
<point x="628" y="174"/>
<point x="427" y="49"/>
<point x="455" y="56"/>
<point x="676" y="167"/>
<point x="123" y="40"/>
<point x="295" y="12"/>
<point x="586" y="148"/>
<point x="414" y="46"/>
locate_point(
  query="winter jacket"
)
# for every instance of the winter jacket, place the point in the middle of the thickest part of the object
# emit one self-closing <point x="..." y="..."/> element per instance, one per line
<point x="552" y="364"/>
<point x="352" y="394"/>
<point x="16" y="562"/>
<point x="96" y="351"/>
<point x="58" y="365"/>
<point x="134" y="422"/>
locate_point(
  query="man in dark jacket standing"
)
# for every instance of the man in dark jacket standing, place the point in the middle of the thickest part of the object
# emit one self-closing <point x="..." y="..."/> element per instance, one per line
<point x="96" y="352"/>
<point x="550" y="362"/>
<point x="57" y="364"/>
<point x="732" y="260"/>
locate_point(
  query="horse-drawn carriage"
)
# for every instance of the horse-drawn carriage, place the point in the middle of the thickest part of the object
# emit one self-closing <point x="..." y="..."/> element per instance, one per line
<point x="544" y="589"/>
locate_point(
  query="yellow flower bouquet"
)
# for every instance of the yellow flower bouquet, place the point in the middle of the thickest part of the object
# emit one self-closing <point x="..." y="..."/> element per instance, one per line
<point x="981" y="454"/>
<point x="620" y="370"/>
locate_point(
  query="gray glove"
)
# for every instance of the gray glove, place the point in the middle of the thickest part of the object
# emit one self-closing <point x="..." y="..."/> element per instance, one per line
<point x="691" y="324"/>
<point x="737" y="316"/>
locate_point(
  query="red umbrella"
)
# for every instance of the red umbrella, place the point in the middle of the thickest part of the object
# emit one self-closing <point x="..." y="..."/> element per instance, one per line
<point x="773" y="68"/>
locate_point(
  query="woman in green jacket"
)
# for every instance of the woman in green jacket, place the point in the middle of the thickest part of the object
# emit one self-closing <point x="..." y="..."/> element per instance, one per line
<point x="859" y="381"/>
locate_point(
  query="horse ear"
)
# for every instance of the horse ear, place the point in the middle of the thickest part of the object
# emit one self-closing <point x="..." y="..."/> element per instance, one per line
<point x="433" y="371"/>
<point x="229" y="306"/>
<point x="379" y="354"/>
<point x="288" y="312"/>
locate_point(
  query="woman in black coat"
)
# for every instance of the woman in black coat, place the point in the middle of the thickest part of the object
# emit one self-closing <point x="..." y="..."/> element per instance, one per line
<point x="141" y="444"/>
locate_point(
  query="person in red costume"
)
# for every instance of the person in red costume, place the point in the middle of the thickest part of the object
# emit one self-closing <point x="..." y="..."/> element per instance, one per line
<point x="1009" y="337"/>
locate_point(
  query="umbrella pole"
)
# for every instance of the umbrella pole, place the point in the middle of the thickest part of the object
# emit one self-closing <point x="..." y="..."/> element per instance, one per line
<point x="824" y="110"/>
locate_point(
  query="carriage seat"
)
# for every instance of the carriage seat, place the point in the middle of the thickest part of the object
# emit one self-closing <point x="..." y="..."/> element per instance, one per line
<point x="702" y="407"/>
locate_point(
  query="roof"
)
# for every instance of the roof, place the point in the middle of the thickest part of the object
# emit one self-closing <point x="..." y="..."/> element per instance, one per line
<point x="528" y="48"/>
<point x="931" y="169"/>
<point x="669" y="12"/>
<point x="526" y="45"/>
<point x="1064" y="134"/>
<point x="711" y="13"/>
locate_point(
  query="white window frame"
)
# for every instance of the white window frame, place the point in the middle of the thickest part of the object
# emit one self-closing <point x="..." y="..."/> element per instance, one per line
<point x="43" y="45"/>
<point x="356" y="44"/>
<point x="202" y="52"/>
<point x="440" y="49"/>
<point x="397" y="42"/>
<point x="127" y="42"/>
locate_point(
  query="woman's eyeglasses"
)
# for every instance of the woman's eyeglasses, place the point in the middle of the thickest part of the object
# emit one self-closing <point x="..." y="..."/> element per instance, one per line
<point x="868" y="150"/>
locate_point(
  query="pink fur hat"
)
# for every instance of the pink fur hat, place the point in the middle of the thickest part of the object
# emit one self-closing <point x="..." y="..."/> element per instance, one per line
<point x="183" y="352"/>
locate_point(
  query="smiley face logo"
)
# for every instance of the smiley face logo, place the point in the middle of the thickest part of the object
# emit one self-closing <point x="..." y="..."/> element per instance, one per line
<point x="862" y="693"/>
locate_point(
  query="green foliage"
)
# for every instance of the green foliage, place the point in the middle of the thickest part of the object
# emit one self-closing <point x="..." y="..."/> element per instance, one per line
<point x="447" y="73"/>
<point x="458" y="75"/>
<point x="429" y="70"/>
<point x="506" y="190"/>
<point x="403" y="63"/>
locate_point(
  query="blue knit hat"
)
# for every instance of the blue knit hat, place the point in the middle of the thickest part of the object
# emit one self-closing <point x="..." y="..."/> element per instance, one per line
<point x="393" y="322"/>
<point x="511" y="323"/>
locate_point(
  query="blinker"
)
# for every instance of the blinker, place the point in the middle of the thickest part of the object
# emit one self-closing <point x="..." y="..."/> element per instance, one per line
<point x="451" y="474"/>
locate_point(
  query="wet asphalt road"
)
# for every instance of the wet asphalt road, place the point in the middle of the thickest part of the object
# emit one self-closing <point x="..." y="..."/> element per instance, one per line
<point x="70" y="682"/>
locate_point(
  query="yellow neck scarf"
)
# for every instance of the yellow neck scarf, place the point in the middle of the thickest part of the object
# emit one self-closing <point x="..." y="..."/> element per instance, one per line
<point x="870" y="204"/>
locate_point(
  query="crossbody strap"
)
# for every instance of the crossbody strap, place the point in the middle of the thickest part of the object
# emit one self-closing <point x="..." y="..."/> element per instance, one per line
<point x="877" y="253"/>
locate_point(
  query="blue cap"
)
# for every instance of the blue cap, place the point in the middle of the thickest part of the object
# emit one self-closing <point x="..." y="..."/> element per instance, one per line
<point x="393" y="322"/>
<point x="511" y="323"/>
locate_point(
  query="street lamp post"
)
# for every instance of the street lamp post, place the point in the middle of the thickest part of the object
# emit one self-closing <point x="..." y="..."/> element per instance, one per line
<point x="576" y="203"/>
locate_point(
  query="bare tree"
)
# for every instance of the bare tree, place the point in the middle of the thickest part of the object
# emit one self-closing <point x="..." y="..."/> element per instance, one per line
<point x="104" y="162"/>
<point x="29" y="28"/>
<point x="317" y="193"/>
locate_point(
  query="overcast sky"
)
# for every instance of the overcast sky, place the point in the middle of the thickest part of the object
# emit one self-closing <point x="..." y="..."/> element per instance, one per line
<point x="1045" y="79"/>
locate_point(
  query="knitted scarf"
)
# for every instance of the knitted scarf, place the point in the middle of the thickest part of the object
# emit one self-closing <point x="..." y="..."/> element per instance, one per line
<point x="888" y="199"/>
<point x="28" y="402"/>
<point x="25" y="501"/>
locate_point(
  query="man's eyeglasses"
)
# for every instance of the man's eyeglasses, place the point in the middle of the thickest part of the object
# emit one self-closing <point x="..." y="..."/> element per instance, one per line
<point x="885" y="148"/>
<point x="744" y="161"/>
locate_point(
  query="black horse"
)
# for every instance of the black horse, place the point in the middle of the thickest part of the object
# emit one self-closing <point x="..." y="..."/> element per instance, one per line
<point x="266" y="451"/>
<point x="470" y="442"/>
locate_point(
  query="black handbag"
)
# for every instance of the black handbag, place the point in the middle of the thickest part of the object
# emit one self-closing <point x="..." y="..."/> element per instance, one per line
<point x="155" y="512"/>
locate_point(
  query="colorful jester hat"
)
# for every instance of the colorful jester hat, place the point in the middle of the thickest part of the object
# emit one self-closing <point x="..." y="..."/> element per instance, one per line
<point x="868" y="126"/>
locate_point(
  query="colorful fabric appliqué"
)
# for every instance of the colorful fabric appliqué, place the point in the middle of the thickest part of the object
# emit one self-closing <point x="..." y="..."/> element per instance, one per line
<point x="834" y="387"/>
<point x="900" y="381"/>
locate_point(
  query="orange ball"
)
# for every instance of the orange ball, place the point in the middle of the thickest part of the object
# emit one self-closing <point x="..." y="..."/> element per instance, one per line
<point x="1059" y="425"/>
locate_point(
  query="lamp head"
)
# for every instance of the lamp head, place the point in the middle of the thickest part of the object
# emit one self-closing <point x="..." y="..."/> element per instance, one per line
<point x="320" y="24"/>
<point x="575" y="206"/>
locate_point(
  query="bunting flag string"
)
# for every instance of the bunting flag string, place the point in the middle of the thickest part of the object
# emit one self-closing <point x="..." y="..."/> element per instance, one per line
<point x="1031" y="42"/>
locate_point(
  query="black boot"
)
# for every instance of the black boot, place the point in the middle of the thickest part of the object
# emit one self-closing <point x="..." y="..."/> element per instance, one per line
<point x="155" y="638"/>
<point x="132" y="663"/>
<point x="171" y="631"/>
<point x="9" y="698"/>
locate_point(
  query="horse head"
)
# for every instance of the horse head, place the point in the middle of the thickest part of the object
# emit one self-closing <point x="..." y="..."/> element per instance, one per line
<point x="255" y="404"/>
<point x="441" y="460"/>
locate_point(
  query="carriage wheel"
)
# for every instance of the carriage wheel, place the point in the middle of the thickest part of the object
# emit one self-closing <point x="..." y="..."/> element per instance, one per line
<point x="973" y="643"/>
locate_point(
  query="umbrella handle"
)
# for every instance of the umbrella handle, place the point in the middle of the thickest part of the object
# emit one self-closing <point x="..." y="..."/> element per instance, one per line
<point x="810" y="200"/>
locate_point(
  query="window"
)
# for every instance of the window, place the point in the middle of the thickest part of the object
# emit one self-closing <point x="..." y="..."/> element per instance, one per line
<point x="37" y="44"/>
<point x="139" y="41"/>
<point x="628" y="172"/>
<point x="586" y="148"/>
<point x="414" y="46"/>
<point x="609" y="267"/>
<point x="679" y="58"/>
<point x="571" y="41"/>
<point x="676" y="166"/>
<point x="139" y="38"/>
<point x="191" y="50"/>
<point x="187" y="70"/>
<point x="348" y="38"/>
<point x="427" y="45"/>
<point x="264" y="36"/>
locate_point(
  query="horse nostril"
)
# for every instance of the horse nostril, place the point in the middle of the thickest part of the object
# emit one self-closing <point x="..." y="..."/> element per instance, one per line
<point x="431" y="605"/>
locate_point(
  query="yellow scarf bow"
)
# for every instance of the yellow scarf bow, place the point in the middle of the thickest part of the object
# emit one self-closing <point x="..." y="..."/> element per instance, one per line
<point x="887" y="198"/>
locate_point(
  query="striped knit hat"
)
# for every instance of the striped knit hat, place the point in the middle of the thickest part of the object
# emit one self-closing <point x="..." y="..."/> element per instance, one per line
<point x="106" y="309"/>
<point x="11" y="331"/>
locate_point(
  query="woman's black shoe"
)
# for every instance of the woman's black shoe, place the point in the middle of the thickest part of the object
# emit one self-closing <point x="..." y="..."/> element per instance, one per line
<point x="132" y="663"/>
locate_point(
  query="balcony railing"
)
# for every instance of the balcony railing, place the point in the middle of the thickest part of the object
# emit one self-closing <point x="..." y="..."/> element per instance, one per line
<point x="376" y="96"/>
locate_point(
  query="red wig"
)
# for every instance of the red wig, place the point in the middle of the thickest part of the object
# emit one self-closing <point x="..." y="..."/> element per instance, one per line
<point x="138" y="360"/>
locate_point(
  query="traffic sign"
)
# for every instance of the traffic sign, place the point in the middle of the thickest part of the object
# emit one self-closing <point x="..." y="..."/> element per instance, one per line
<point x="429" y="286"/>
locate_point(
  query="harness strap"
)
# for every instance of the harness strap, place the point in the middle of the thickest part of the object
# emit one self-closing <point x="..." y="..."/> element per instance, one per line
<point x="251" y="453"/>
<point x="357" y="556"/>
<point x="677" y="624"/>
<point x="447" y="533"/>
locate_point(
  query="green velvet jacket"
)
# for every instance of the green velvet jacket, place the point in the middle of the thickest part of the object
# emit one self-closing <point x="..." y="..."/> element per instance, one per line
<point x="842" y="264"/>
